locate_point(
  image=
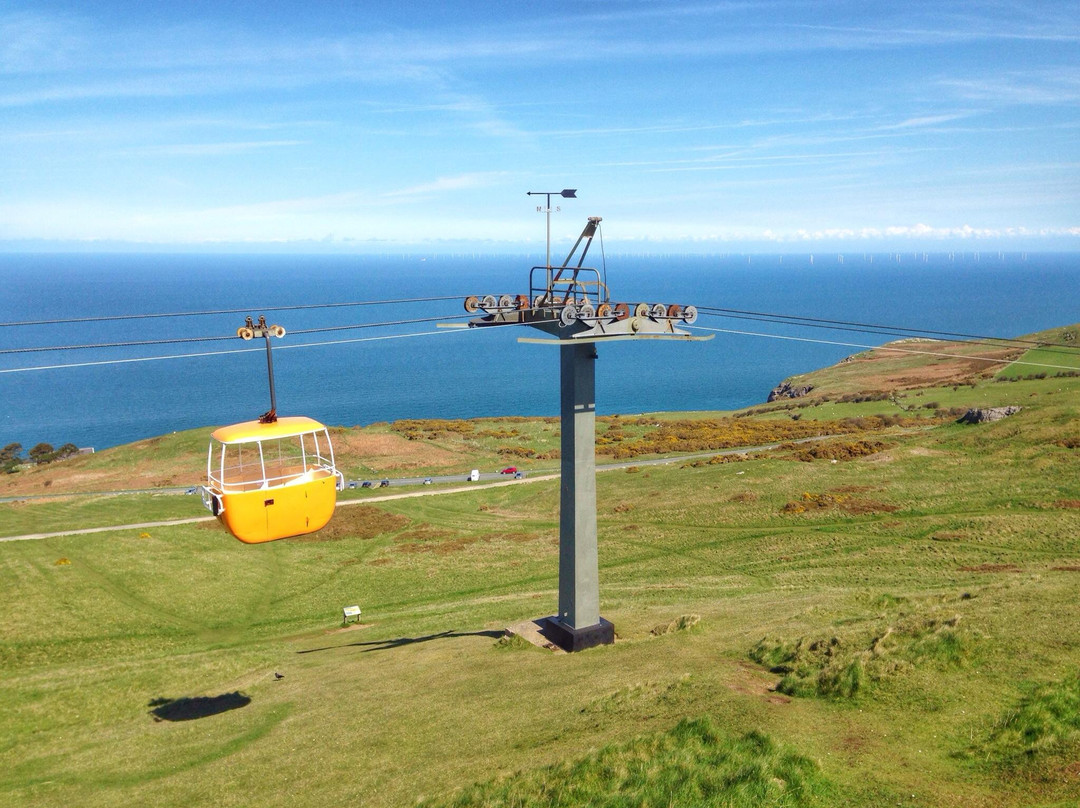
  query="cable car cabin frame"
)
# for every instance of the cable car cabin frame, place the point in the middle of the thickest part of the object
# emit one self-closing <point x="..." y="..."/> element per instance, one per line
<point x="268" y="481"/>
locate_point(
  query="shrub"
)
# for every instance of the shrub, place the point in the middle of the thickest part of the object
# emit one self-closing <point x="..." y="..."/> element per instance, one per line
<point x="830" y="668"/>
<point x="516" y="451"/>
<point x="694" y="763"/>
<point x="683" y="623"/>
<point x="1044" y="726"/>
<point x="841" y="450"/>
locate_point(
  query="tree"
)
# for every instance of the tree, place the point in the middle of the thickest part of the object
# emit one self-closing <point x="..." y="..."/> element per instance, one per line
<point x="10" y="457"/>
<point x="42" y="453"/>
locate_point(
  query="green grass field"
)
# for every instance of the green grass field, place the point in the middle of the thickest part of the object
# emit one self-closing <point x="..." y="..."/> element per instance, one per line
<point x="898" y="628"/>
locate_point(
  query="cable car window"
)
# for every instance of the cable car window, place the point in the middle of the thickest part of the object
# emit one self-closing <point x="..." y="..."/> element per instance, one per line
<point x="284" y="459"/>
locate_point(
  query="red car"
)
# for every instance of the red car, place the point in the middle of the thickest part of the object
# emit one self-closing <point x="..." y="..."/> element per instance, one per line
<point x="509" y="470"/>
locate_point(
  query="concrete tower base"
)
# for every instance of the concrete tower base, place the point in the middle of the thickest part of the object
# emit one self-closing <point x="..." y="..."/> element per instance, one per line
<point x="577" y="639"/>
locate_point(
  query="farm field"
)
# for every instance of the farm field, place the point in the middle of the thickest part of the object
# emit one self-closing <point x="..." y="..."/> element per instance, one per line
<point x="882" y="617"/>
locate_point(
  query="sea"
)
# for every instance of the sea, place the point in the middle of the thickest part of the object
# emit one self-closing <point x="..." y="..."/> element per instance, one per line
<point x="385" y="361"/>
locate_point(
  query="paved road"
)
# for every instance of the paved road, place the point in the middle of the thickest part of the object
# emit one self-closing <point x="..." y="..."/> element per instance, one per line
<point x="485" y="482"/>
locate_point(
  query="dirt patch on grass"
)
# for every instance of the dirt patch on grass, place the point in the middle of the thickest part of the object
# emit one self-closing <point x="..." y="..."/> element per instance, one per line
<point x="1068" y="568"/>
<point x="749" y="680"/>
<point x="1067" y="503"/>
<point x="356" y="522"/>
<point x="388" y="451"/>
<point x="426" y="539"/>
<point x="73" y="475"/>
<point x="991" y="568"/>
<point x="516" y="538"/>
<point x="939" y="372"/>
<point x="1071" y="772"/>
<point x="350" y="627"/>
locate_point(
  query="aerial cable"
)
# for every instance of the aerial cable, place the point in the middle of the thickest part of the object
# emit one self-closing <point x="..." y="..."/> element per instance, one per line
<point x="997" y="342"/>
<point x="111" y="317"/>
<point x="330" y="328"/>
<point x="182" y="340"/>
<point x="886" y="348"/>
<point x="224" y="353"/>
<point x="132" y="344"/>
<point x="800" y="320"/>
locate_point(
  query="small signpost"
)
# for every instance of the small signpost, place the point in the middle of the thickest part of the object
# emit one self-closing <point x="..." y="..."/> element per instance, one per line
<point x="350" y="612"/>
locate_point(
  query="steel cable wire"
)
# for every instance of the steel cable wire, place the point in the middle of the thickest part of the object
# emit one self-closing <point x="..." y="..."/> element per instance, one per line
<point x="869" y="328"/>
<point x="182" y="340"/>
<point x="300" y="307"/>
<point x="888" y="348"/>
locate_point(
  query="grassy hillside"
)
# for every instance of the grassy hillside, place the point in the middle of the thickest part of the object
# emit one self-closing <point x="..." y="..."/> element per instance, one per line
<point x="884" y="618"/>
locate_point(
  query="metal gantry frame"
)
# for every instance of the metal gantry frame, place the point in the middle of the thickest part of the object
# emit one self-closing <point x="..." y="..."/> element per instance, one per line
<point x="574" y="308"/>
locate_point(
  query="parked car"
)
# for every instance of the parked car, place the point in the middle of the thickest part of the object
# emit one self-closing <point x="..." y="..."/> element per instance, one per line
<point x="352" y="483"/>
<point x="427" y="481"/>
<point x="509" y="470"/>
<point x="474" y="475"/>
<point x="366" y="484"/>
<point x="519" y="475"/>
<point x="384" y="484"/>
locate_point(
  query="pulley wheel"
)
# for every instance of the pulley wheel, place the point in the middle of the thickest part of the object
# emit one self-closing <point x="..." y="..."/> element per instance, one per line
<point x="505" y="302"/>
<point x="586" y="312"/>
<point x="674" y="311"/>
<point x="603" y="310"/>
<point x="522" y="302"/>
<point x="568" y="314"/>
<point x="658" y="311"/>
<point x="622" y="311"/>
<point x="472" y="303"/>
<point x="489" y="302"/>
<point x="641" y="310"/>
<point x="689" y="314"/>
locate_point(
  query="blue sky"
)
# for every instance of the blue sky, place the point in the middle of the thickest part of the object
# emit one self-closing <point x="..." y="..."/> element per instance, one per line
<point x="696" y="126"/>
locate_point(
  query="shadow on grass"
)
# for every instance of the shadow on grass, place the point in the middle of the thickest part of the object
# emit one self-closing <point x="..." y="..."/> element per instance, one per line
<point x="186" y="709"/>
<point x="386" y="645"/>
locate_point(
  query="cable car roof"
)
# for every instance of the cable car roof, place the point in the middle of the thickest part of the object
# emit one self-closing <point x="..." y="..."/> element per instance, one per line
<point x="251" y="431"/>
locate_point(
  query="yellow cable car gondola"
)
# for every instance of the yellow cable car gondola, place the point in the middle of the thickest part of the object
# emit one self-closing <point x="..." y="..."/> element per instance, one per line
<point x="268" y="481"/>
<point x="274" y="477"/>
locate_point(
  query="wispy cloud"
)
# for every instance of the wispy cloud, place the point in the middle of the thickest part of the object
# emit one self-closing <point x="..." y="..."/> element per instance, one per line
<point x="1049" y="87"/>
<point x="38" y="42"/>
<point x="212" y="149"/>
<point x="924" y="121"/>
<point x="444" y="185"/>
<point x="794" y="111"/>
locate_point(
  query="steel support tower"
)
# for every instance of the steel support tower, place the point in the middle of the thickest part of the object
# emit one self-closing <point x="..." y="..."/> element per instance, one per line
<point x="571" y="304"/>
